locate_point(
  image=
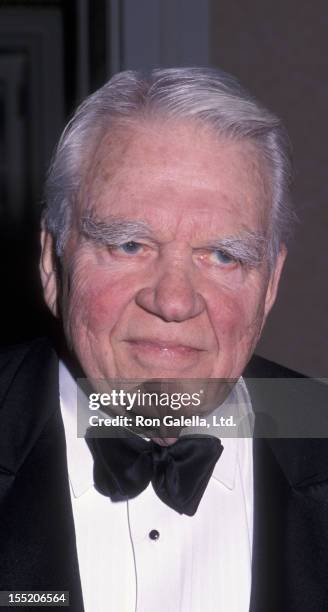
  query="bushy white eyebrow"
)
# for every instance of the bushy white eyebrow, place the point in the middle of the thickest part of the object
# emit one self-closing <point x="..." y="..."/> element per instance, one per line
<point x="250" y="248"/>
<point x="113" y="231"/>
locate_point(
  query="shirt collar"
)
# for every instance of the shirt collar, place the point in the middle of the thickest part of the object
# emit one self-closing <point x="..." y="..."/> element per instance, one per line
<point x="79" y="458"/>
<point x="239" y="405"/>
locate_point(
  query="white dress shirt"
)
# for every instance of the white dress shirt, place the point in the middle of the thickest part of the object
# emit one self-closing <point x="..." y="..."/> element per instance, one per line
<point x="142" y="556"/>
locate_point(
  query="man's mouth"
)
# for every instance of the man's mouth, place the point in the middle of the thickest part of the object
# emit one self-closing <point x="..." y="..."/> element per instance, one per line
<point x="165" y="346"/>
<point x="165" y="351"/>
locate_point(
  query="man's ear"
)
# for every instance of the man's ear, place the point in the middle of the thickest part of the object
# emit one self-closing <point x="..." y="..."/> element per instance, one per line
<point x="48" y="272"/>
<point x="272" y="289"/>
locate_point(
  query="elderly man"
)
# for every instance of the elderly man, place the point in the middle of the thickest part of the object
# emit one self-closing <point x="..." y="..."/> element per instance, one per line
<point x="163" y="241"/>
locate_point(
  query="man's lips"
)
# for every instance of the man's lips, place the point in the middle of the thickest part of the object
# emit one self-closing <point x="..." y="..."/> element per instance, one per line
<point x="163" y="345"/>
<point x="165" y="350"/>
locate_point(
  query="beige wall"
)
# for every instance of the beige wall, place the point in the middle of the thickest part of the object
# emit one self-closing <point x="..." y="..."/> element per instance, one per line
<point x="279" y="50"/>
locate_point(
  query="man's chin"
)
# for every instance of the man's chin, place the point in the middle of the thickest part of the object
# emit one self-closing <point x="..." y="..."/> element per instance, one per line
<point x="151" y="371"/>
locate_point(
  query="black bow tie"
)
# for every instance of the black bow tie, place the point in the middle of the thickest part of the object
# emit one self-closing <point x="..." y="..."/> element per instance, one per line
<point x="123" y="468"/>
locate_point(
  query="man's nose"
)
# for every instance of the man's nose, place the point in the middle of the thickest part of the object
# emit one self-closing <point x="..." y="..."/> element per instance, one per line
<point x="172" y="296"/>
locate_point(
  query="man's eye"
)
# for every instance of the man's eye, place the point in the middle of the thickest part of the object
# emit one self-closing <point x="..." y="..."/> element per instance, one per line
<point x="130" y="248"/>
<point x="222" y="258"/>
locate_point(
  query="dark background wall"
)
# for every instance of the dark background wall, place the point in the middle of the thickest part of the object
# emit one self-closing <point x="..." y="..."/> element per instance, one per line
<point x="280" y="51"/>
<point x="53" y="53"/>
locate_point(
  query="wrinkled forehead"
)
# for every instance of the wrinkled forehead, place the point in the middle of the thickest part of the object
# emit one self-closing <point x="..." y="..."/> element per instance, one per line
<point x="148" y="161"/>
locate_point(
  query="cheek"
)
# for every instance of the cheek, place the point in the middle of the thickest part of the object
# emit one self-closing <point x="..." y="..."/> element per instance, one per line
<point x="96" y="302"/>
<point x="236" y="316"/>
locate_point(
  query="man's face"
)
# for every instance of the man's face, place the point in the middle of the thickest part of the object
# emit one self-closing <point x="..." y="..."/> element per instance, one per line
<point x="166" y="278"/>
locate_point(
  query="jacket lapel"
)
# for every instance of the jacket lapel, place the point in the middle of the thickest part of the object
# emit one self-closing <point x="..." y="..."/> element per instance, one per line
<point x="271" y="500"/>
<point x="290" y="551"/>
<point x="38" y="550"/>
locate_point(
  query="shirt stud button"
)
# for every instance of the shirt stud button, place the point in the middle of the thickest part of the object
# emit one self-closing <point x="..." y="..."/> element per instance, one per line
<point x="154" y="534"/>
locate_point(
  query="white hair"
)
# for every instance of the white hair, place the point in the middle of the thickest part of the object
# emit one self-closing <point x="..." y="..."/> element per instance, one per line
<point x="209" y="96"/>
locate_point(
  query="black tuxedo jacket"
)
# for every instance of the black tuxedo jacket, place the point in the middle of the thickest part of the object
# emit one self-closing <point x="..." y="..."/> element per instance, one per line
<point x="37" y="539"/>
